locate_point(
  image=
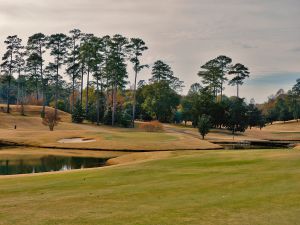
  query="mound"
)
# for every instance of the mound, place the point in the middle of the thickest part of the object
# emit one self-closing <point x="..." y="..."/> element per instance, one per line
<point x="33" y="111"/>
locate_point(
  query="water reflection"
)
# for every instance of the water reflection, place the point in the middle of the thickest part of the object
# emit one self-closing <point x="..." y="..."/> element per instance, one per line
<point x="47" y="164"/>
<point x="248" y="146"/>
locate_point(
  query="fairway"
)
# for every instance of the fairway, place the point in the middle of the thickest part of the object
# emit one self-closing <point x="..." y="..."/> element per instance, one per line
<point x="220" y="187"/>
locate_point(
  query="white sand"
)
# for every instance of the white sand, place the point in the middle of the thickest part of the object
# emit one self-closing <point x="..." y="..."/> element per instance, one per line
<point x="76" y="140"/>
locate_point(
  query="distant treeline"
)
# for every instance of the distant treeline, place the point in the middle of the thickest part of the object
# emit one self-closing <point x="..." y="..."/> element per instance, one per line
<point x="96" y="87"/>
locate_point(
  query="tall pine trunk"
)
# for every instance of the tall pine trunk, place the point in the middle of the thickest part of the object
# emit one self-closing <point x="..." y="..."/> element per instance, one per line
<point x="37" y="89"/>
<point x="97" y="105"/>
<point x="87" y="93"/>
<point x="18" y="91"/>
<point x="73" y="93"/>
<point x="43" y="84"/>
<point x="73" y="77"/>
<point x="114" y="92"/>
<point x="9" y="82"/>
<point x="221" y="91"/>
<point x="8" y="95"/>
<point x="56" y="90"/>
<point x="81" y="88"/>
<point x="134" y="99"/>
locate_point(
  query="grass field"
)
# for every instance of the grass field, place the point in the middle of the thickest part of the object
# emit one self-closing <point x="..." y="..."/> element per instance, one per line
<point x="211" y="188"/>
<point x="149" y="188"/>
<point x="24" y="153"/>
<point x="30" y="131"/>
<point x="278" y="131"/>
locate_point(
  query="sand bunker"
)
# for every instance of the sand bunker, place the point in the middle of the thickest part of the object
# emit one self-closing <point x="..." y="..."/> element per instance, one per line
<point x="76" y="140"/>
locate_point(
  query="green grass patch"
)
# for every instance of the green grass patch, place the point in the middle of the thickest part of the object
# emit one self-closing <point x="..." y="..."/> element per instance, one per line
<point x="140" y="136"/>
<point x="219" y="187"/>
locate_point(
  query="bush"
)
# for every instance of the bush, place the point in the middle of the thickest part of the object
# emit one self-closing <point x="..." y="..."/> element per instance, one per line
<point x="51" y="119"/>
<point x="204" y="125"/>
<point x="107" y="117"/>
<point x="78" y="113"/>
<point x="153" y="126"/>
<point x="121" y="118"/>
<point x="126" y="120"/>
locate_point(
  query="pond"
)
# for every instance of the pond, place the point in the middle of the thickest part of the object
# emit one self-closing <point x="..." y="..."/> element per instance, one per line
<point x="248" y="147"/>
<point x="10" y="166"/>
<point x="256" y="145"/>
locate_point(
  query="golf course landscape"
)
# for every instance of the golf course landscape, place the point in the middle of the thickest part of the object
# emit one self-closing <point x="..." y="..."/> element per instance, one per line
<point x="149" y="112"/>
<point x="158" y="182"/>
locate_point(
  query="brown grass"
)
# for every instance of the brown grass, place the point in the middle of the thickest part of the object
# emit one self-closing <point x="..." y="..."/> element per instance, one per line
<point x="139" y="157"/>
<point x="30" y="131"/>
<point x="153" y="126"/>
<point x="277" y="131"/>
<point x="23" y="153"/>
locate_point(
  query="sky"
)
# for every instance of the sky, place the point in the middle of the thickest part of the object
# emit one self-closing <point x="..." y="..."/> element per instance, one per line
<point x="264" y="35"/>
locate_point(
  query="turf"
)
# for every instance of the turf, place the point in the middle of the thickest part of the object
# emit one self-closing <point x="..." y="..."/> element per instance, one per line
<point x="220" y="187"/>
<point x="31" y="132"/>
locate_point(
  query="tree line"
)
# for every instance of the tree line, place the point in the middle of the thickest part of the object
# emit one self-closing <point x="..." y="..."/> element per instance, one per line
<point x="97" y="88"/>
<point x="100" y="63"/>
<point x="283" y="106"/>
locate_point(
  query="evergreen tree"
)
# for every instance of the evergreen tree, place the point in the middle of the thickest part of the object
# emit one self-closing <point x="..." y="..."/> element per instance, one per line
<point x="78" y="113"/>
<point x="36" y="45"/>
<point x="58" y="45"/>
<point x="204" y="125"/>
<point x="116" y="67"/>
<point x="211" y="76"/>
<point x="9" y="64"/>
<point x="163" y="72"/>
<point x="33" y="71"/>
<point x="137" y="46"/>
<point x="20" y="69"/>
<point x="224" y="65"/>
<point x="237" y="116"/>
<point x="73" y="62"/>
<point x="241" y="73"/>
<point x="86" y="57"/>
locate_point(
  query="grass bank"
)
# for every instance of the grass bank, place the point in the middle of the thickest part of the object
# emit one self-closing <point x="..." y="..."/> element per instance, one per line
<point x="219" y="187"/>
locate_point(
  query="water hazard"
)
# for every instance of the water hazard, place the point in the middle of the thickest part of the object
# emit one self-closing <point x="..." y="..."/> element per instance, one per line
<point x="10" y="166"/>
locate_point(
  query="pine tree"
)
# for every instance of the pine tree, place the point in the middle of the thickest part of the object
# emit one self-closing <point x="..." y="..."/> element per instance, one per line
<point x="204" y="125"/>
<point x="241" y="73"/>
<point x="137" y="46"/>
<point x="73" y="62"/>
<point x="36" y="46"/>
<point x="58" y="45"/>
<point x="78" y="113"/>
<point x="9" y="65"/>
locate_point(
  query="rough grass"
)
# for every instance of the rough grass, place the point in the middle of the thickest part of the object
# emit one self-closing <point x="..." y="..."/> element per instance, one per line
<point x="25" y="153"/>
<point x="30" y="131"/>
<point x="278" y="131"/>
<point x="222" y="187"/>
<point x="33" y="111"/>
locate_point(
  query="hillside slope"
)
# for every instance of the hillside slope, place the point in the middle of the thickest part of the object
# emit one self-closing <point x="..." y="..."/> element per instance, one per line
<point x="31" y="132"/>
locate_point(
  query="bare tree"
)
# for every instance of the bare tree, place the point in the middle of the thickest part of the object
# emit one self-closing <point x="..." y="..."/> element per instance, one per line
<point x="51" y="119"/>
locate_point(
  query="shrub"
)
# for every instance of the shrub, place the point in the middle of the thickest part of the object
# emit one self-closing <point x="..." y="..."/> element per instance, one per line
<point x="78" y="113"/>
<point x="153" y="126"/>
<point x="107" y="117"/>
<point x="126" y="120"/>
<point x="51" y="120"/>
<point x="204" y="125"/>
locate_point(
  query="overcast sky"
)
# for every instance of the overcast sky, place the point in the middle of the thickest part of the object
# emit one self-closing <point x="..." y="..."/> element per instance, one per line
<point x="262" y="34"/>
